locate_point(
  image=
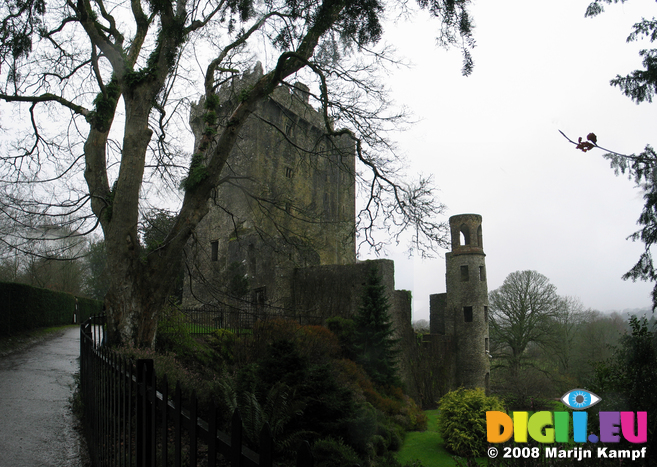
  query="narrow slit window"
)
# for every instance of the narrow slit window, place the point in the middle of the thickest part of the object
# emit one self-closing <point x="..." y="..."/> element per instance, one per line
<point x="486" y="344"/>
<point x="215" y="250"/>
<point x="289" y="172"/>
<point x="465" y="276"/>
<point x="467" y="314"/>
<point x="486" y="313"/>
<point x="482" y="273"/>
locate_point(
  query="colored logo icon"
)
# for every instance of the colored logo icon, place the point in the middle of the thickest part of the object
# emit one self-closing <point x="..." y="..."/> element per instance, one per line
<point x="580" y="399"/>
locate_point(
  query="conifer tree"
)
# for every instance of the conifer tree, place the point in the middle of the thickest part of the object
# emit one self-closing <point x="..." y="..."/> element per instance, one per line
<point x="374" y="343"/>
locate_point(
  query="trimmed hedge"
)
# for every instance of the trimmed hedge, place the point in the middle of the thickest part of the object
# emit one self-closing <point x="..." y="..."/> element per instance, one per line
<point x="23" y="307"/>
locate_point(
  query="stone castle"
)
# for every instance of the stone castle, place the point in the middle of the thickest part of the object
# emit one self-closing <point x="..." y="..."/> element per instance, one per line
<point x="280" y="239"/>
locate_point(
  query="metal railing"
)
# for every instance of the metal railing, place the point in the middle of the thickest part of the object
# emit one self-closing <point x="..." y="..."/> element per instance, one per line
<point x="128" y="422"/>
<point x="208" y="319"/>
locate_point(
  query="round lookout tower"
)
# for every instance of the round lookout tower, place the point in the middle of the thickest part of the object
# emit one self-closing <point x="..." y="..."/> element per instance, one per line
<point x="467" y="301"/>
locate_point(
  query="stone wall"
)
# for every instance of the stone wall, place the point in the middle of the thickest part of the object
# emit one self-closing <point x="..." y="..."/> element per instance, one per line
<point x="336" y="290"/>
<point x="287" y="200"/>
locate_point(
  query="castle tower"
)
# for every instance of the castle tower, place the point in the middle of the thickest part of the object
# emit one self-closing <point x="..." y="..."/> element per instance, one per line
<point x="462" y="312"/>
<point x="288" y="202"/>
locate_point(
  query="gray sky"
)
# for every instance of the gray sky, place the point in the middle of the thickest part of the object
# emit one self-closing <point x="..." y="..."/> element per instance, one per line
<point x="492" y="143"/>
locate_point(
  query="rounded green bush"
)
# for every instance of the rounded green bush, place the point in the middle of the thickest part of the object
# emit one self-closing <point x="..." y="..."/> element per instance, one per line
<point x="462" y="420"/>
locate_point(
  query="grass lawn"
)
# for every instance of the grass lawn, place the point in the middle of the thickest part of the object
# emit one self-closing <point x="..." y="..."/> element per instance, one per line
<point x="427" y="446"/>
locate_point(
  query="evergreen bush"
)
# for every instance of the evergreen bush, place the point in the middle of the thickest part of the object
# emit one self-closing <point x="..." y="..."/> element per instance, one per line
<point x="25" y="307"/>
<point x="462" y="420"/>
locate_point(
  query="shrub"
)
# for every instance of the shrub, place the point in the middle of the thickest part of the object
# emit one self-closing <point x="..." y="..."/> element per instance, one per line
<point x="344" y="329"/>
<point x="361" y="428"/>
<point x="330" y="452"/>
<point x="176" y="373"/>
<point x="222" y="341"/>
<point x="26" y="307"/>
<point x="318" y="343"/>
<point x="172" y="333"/>
<point x="462" y="420"/>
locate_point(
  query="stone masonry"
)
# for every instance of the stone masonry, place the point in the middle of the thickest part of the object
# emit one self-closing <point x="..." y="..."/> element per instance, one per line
<point x="280" y="234"/>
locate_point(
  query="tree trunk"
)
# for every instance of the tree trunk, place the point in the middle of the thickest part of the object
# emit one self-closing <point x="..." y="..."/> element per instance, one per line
<point x="139" y="286"/>
<point x="137" y="297"/>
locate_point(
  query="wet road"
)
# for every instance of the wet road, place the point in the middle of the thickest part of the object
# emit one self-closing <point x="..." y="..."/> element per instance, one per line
<point x="36" y="423"/>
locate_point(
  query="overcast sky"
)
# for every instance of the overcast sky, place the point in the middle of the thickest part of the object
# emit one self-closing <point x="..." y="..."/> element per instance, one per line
<point x="491" y="141"/>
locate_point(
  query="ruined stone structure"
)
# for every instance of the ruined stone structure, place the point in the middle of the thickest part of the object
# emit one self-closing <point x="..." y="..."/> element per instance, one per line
<point x="280" y="238"/>
<point x="461" y="314"/>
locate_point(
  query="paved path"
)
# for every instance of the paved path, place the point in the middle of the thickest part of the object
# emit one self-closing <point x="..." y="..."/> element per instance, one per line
<point x="36" y="423"/>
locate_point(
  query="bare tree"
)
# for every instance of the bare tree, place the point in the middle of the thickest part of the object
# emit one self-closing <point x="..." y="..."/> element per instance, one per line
<point x="522" y="313"/>
<point x="101" y="89"/>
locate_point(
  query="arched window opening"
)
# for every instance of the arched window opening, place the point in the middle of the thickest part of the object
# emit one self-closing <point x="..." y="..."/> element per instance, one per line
<point x="465" y="235"/>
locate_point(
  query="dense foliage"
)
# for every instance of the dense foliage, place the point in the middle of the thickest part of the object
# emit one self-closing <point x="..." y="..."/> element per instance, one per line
<point x="297" y="379"/>
<point x="462" y="420"/>
<point x="626" y="381"/>
<point x="25" y="307"/>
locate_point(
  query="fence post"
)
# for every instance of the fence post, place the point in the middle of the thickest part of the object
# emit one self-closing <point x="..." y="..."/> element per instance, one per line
<point x="144" y="413"/>
<point x="236" y="440"/>
<point x="265" y="458"/>
<point x="212" y="436"/>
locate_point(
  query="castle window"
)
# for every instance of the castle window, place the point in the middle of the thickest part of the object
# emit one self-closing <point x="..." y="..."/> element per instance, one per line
<point x="465" y="235"/>
<point x="260" y="296"/>
<point x="465" y="276"/>
<point x="215" y="250"/>
<point x="482" y="273"/>
<point x="486" y="314"/>
<point x="486" y="344"/>
<point x="467" y="314"/>
<point x="480" y="238"/>
<point x="289" y="172"/>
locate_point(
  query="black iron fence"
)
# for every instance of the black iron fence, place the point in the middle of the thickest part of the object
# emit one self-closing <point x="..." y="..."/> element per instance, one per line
<point x="239" y="319"/>
<point x="128" y="422"/>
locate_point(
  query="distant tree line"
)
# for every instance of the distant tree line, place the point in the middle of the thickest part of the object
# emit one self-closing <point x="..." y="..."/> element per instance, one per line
<point x="65" y="261"/>
<point x="543" y="344"/>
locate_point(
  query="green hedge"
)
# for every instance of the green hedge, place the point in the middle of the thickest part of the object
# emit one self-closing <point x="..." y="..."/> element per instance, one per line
<point x="23" y="307"/>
